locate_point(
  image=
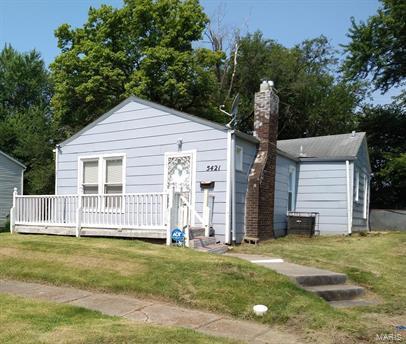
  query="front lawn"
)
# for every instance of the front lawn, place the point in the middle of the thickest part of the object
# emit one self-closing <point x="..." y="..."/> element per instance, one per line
<point x="376" y="261"/>
<point x="217" y="283"/>
<point x="27" y="321"/>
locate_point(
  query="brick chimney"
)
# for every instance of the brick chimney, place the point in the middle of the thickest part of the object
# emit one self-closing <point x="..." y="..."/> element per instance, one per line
<point x="260" y="196"/>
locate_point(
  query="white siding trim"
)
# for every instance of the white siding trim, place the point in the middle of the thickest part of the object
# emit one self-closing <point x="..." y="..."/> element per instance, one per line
<point x="349" y="211"/>
<point x="227" y="234"/>
<point x="56" y="151"/>
<point x="233" y="186"/>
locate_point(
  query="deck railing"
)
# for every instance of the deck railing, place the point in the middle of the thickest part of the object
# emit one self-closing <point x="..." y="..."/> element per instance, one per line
<point x="132" y="211"/>
<point x="144" y="211"/>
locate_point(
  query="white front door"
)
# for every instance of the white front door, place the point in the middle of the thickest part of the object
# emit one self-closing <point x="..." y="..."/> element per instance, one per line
<point x="180" y="174"/>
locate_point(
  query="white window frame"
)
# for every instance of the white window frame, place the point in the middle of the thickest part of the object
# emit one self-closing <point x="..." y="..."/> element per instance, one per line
<point x="102" y="174"/>
<point x="356" y="185"/>
<point x="239" y="163"/>
<point x="292" y="179"/>
<point x="366" y="190"/>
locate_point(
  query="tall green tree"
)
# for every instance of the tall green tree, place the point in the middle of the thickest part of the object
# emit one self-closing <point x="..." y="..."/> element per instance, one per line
<point x="377" y="47"/>
<point x="25" y="119"/>
<point x="313" y="101"/>
<point x="144" y="48"/>
<point x="386" y="127"/>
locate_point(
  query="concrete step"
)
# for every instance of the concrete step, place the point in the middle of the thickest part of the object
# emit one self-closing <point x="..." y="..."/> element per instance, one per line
<point x="336" y="292"/>
<point x="216" y="248"/>
<point x="196" y="232"/>
<point x="202" y="241"/>
<point x="321" y="279"/>
<point x="353" y="303"/>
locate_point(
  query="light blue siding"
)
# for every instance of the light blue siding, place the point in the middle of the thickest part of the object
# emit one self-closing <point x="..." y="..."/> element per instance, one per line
<point x="241" y="177"/>
<point x="283" y="165"/>
<point x="361" y="164"/>
<point x="144" y="134"/>
<point x="10" y="177"/>
<point x="322" y="188"/>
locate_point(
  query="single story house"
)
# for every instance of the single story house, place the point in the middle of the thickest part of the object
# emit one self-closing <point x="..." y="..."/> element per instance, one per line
<point x="124" y="164"/>
<point x="11" y="176"/>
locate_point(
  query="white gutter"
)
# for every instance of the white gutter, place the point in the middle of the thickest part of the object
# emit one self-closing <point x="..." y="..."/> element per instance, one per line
<point x="227" y="234"/>
<point x="233" y="187"/>
<point x="349" y="211"/>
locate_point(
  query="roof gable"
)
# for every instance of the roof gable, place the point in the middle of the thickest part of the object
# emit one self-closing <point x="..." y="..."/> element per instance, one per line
<point x="13" y="160"/>
<point x="148" y="104"/>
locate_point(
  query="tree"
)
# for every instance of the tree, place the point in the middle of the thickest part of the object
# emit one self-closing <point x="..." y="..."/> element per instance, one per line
<point x="25" y="120"/>
<point x="312" y="100"/>
<point x="385" y="127"/>
<point x="144" y="48"/>
<point x="377" y="47"/>
<point x="24" y="81"/>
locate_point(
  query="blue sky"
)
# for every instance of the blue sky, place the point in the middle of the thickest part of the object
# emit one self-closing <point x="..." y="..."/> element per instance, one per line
<point x="28" y="24"/>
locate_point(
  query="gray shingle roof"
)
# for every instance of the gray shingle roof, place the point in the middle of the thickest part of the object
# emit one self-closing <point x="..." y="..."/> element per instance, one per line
<point x="331" y="146"/>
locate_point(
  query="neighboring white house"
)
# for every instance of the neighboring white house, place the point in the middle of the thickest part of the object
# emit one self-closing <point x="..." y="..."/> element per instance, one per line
<point x="127" y="161"/>
<point x="11" y="176"/>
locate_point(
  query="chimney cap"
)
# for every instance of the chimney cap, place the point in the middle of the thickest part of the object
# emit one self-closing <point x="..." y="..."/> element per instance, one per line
<point x="264" y="86"/>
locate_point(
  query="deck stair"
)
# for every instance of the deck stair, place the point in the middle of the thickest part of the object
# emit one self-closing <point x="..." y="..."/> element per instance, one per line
<point x="203" y="243"/>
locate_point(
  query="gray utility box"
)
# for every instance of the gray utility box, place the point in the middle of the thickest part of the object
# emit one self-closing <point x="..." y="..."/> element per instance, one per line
<point x="301" y="223"/>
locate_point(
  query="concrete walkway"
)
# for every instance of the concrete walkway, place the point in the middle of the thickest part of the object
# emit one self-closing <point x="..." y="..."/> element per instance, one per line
<point x="152" y="312"/>
<point x="329" y="285"/>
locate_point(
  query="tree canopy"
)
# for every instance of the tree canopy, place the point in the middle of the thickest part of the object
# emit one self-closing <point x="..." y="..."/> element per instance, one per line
<point x="25" y="118"/>
<point x="144" y="48"/>
<point x="386" y="127"/>
<point x="377" y="47"/>
<point x="312" y="100"/>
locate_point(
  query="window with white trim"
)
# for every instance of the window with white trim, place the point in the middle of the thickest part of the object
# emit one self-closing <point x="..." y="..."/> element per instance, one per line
<point x="90" y="176"/>
<point x="239" y="158"/>
<point x="291" y="188"/>
<point x="102" y="174"/>
<point x="113" y="183"/>
<point x="356" y="186"/>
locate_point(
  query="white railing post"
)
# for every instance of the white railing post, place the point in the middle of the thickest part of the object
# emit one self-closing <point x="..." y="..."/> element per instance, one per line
<point x="79" y="215"/>
<point x="168" y="222"/>
<point x="13" y="212"/>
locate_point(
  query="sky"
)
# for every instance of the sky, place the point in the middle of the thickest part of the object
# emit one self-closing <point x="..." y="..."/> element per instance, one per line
<point x="29" y="24"/>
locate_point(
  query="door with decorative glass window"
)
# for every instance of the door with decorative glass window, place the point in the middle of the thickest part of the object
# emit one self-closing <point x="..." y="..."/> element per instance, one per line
<point x="180" y="177"/>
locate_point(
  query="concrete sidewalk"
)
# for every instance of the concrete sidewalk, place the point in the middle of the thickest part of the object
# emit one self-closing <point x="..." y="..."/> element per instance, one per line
<point x="152" y="312"/>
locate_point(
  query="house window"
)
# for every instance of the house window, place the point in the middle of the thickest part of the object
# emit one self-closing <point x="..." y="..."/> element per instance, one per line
<point x="102" y="174"/>
<point x="114" y="176"/>
<point x="239" y="158"/>
<point x="291" y="188"/>
<point x="356" y="186"/>
<point x="365" y="196"/>
<point x="90" y="179"/>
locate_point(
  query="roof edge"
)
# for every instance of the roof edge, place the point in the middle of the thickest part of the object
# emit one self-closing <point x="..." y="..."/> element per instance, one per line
<point x="14" y="160"/>
<point x="328" y="158"/>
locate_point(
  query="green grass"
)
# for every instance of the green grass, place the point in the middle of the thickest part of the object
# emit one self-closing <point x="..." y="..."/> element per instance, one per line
<point x="217" y="283"/>
<point x="25" y="321"/>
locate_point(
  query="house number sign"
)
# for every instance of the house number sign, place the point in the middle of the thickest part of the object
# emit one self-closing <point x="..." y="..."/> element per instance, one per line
<point x="213" y="168"/>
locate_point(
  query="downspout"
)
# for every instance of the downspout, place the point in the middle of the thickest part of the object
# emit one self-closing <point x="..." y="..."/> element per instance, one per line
<point x="349" y="212"/>
<point x="233" y="187"/>
<point x="227" y="234"/>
